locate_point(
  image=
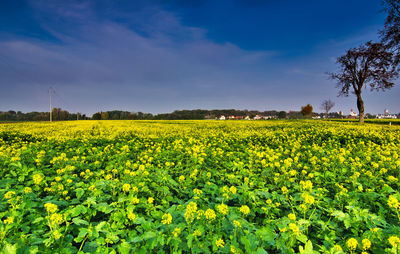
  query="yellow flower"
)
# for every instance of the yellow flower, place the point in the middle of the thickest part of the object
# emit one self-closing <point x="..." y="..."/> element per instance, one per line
<point x="375" y="230"/>
<point x="131" y="216"/>
<point x="126" y="187"/>
<point x="237" y="224"/>
<point x="220" y="243"/>
<point x="52" y="208"/>
<point x="337" y="248"/>
<point x="210" y="214"/>
<point x="27" y="190"/>
<point x="294" y="228"/>
<point x="393" y="202"/>
<point x="284" y="190"/>
<point x="308" y="198"/>
<point x="9" y="220"/>
<point x="177" y="232"/>
<point x="200" y="214"/>
<point x="222" y="208"/>
<point x="292" y="216"/>
<point x="9" y="194"/>
<point x="37" y="179"/>
<point x="190" y="212"/>
<point x="197" y="192"/>
<point x="352" y="243"/>
<point x="182" y="178"/>
<point x="244" y="209"/>
<point x="269" y="201"/>
<point x="57" y="234"/>
<point x="166" y="218"/>
<point x="197" y="232"/>
<point x="366" y="244"/>
<point x="233" y="189"/>
<point x="135" y="200"/>
<point x="394" y="241"/>
<point x="306" y="184"/>
<point x="150" y="200"/>
<point x="56" y="218"/>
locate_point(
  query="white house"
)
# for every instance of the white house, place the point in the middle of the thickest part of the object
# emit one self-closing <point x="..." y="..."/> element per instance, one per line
<point x="352" y="113"/>
<point x="386" y="115"/>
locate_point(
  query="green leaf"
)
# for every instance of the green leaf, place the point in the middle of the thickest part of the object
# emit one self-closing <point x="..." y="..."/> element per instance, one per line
<point x="302" y="238"/>
<point x="79" y="192"/>
<point x="261" y="251"/>
<point x="267" y="234"/>
<point x="80" y="209"/>
<point x="79" y="221"/>
<point x="104" y="207"/>
<point x="136" y="239"/>
<point x="308" y="249"/>
<point x="10" y="249"/>
<point x="347" y="222"/>
<point x="124" y="248"/>
<point x="142" y="250"/>
<point x="37" y="220"/>
<point x="190" y="240"/>
<point x="100" y="226"/>
<point x="82" y="233"/>
<point x="33" y="249"/>
<point x="339" y="215"/>
<point x="148" y="235"/>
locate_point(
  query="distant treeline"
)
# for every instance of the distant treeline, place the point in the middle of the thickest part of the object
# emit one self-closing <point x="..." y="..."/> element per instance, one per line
<point x="198" y="114"/>
<point x="57" y="114"/>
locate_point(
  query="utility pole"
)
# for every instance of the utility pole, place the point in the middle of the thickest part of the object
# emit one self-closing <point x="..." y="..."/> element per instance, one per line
<point x="77" y="116"/>
<point x="50" y="92"/>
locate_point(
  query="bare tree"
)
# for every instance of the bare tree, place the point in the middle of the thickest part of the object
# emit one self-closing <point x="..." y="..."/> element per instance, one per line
<point x="370" y="65"/>
<point x="391" y="33"/>
<point x="326" y="106"/>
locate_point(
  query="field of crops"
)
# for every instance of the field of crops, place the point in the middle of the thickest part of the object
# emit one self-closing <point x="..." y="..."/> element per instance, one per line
<point x="199" y="187"/>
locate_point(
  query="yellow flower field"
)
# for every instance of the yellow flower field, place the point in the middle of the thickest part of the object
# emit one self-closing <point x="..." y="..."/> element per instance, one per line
<point x="199" y="187"/>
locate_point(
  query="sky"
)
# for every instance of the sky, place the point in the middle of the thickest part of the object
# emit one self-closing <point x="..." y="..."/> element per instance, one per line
<point x="158" y="56"/>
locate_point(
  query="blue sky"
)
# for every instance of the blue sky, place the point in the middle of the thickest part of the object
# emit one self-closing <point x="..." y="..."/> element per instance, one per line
<point x="163" y="55"/>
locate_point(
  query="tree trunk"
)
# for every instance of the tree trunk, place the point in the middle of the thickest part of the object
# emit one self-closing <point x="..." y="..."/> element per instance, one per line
<point x="360" y="106"/>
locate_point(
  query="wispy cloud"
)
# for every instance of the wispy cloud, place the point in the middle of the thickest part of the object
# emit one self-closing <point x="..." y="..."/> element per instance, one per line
<point x="106" y="55"/>
<point x="146" y="59"/>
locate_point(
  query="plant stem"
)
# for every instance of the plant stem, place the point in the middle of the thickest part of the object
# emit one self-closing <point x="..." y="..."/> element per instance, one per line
<point x="86" y="237"/>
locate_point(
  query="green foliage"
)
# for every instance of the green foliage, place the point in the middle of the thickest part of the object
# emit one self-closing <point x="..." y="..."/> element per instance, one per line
<point x="199" y="187"/>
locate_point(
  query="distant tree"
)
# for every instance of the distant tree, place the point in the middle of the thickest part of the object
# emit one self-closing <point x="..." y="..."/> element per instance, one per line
<point x="326" y="106"/>
<point x="391" y="33"/>
<point x="368" y="65"/>
<point x="282" y="114"/>
<point x="105" y="115"/>
<point x="96" y="116"/>
<point x="307" y="110"/>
